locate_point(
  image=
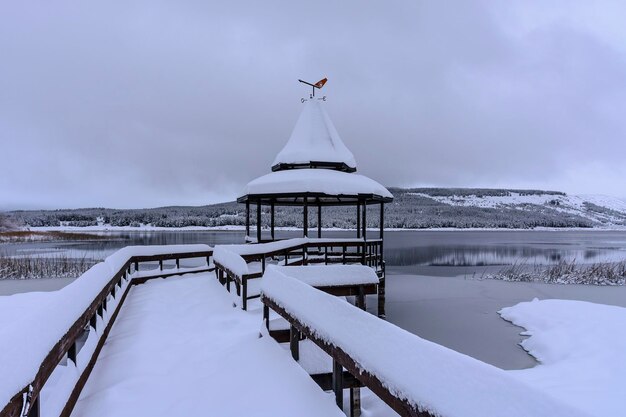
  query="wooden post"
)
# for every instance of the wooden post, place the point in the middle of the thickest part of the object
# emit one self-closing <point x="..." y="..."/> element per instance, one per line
<point x="319" y="220"/>
<point x="381" y="283"/>
<point x="360" y="298"/>
<point x="247" y="218"/>
<point x="355" y="402"/>
<point x="294" y="343"/>
<point x="177" y="263"/>
<point x="71" y="353"/>
<point x="136" y="266"/>
<point x="358" y="219"/>
<point x="338" y="383"/>
<point x="244" y="293"/>
<point x="258" y="222"/>
<point x="364" y="221"/>
<point x="272" y="220"/>
<point x="161" y="265"/>
<point x="266" y="316"/>
<point x="34" y="410"/>
<point x="305" y="214"/>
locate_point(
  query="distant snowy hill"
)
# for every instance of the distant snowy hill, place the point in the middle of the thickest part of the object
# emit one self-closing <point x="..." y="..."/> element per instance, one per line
<point x="414" y="208"/>
<point x="599" y="209"/>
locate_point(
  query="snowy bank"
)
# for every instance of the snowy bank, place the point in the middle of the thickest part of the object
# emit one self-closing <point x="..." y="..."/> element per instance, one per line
<point x="580" y="347"/>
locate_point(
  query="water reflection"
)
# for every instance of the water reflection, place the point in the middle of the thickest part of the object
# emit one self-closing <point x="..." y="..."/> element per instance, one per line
<point x="406" y="248"/>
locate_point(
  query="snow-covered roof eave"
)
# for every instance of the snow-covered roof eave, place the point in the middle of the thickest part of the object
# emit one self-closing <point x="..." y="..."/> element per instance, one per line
<point x="315" y="182"/>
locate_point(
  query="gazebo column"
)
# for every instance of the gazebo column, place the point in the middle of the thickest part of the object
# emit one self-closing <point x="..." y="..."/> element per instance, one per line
<point x="305" y="214"/>
<point x="272" y="220"/>
<point x="364" y="225"/>
<point x="381" y="283"/>
<point x="319" y="220"/>
<point x="364" y="221"/>
<point x="258" y="222"/>
<point x="358" y="219"/>
<point x="247" y="218"/>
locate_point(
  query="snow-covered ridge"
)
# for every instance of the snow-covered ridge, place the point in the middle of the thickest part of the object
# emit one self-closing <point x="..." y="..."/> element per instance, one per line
<point x="603" y="210"/>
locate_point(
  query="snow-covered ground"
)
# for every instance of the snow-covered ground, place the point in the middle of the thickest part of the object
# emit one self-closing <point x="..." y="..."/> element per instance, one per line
<point x="179" y="348"/>
<point x="580" y="347"/>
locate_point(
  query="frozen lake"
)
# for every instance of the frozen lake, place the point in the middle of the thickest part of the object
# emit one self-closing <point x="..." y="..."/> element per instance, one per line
<point x="429" y="290"/>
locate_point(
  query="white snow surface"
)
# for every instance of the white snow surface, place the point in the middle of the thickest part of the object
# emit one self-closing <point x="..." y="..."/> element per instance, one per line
<point x="580" y="347"/>
<point x="179" y="348"/>
<point x="432" y="377"/>
<point x="314" y="139"/>
<point x="324" y="181"/>
<point x="230" y="259"/>
<point x="325" y="275"/>
<point x="32" y="323"/>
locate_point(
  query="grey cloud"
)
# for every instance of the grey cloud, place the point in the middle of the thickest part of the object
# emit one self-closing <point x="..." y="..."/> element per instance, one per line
<point x="135" y="104"/>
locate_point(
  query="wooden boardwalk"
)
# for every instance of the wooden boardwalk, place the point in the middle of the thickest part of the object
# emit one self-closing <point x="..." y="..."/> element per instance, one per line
<point x="178" y="347"/>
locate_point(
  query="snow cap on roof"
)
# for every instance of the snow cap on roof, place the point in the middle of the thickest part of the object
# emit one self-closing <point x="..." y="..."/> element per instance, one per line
<point x="314" y="140"/>
<point x="322" y="181"/>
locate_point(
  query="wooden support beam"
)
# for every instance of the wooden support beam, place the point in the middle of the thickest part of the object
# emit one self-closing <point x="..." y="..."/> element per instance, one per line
<point x="360" y="298"/>
<point x="258" y="222"/>
<point x="355" y="402"/>
<point x="358" y="219"/>
<point x="338" y="383"/>
<point x="71" y="353"/>
<point x="247" y="218"/>
<point x="364" y="221"/>
<point x="35" y="409"/>
<point x="294" y="343"/>
<point x="305" y="215"/>
<point x="272" y="221"/>
<point x="319" y="220"/>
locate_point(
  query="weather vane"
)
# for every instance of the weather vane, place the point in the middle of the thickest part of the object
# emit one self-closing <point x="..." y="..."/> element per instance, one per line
<point x="317" y="85"/>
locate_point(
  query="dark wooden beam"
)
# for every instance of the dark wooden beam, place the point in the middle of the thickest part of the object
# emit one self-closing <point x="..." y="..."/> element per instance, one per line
<point x="305" y="214"/>
<point x="364" y="222"/>
<point x="258" y="222"/>
<point x="358" y="220"/>
<point x="247" y="218"/>
<point x="319" y="220"/>
<point x="272" y="221"/>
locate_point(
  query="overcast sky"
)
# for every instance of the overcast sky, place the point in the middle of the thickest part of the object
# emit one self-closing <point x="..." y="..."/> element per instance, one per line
<point x="149" y="103"/>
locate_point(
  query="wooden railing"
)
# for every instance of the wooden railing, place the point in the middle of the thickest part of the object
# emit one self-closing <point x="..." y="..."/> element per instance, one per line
<point x="323" y="251"/>
<point x="26" y="402"/>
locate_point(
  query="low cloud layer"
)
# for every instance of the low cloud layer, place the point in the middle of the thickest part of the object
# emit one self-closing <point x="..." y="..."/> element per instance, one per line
<point x="147" y="103"/>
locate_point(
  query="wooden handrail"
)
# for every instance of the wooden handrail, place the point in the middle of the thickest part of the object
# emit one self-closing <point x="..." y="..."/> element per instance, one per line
<point x="342" y="360"/>
<point x="26" y="401"/>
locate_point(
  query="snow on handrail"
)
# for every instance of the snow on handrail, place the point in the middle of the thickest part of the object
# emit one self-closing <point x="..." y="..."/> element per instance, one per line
<point x="38" y="329"/>
<point x="409" y="373"/>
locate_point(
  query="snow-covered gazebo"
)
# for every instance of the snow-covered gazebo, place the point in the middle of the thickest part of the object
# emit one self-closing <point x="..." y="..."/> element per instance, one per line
<point x="314" y="169"/>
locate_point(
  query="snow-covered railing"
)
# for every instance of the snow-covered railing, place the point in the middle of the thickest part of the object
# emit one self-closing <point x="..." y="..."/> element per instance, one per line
<point x="232" y="261"/>
<point x="39" y="331"/>
<point x="413" y="376"/>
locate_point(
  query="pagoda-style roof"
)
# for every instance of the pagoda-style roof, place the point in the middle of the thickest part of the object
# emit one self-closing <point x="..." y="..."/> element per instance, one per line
<point x="314" y="143"/>
<point x="318" y="186"/>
